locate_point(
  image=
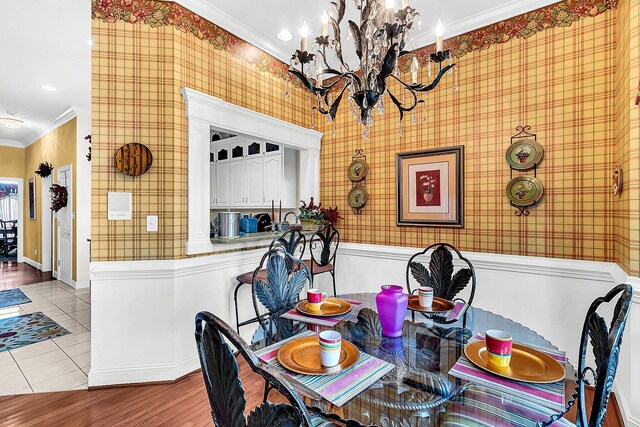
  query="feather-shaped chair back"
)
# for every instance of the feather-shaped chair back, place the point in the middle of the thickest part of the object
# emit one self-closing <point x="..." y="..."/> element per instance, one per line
<point x="324" y="245"/>
<point x="440" y="275"/>
<point x="292" y="241"/>
<point x="223" y="384"/>
<point x="605" y="343"/>
<point x="279" y="293"/>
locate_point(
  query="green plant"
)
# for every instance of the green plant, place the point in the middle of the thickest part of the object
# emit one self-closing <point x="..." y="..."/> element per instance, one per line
<point x="310" y="211"/>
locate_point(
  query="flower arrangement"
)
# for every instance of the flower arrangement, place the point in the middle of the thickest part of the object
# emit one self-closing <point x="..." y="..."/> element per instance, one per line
<point x="332" y="215"/>
<point x="316" y="213"/>
<point x="310" y="211"/>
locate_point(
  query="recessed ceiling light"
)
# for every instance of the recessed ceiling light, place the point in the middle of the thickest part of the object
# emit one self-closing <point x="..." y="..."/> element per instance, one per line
<point x="49" y="88"/>
<point x="11" y="123"/>
<point x="285" y="35"/>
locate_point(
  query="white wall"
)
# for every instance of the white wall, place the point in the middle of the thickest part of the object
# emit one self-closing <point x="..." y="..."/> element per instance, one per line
<point x="142" y="311"/>
<point x="83" y="200"/>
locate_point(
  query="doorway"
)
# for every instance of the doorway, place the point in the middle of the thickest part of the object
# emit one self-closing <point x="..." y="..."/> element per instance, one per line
<point x="47" y="221"/>
<point x="65" y="229"/>
<point x="20" y="183"/>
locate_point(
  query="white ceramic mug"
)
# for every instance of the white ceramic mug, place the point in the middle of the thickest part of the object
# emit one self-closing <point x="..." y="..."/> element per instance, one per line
<point x="330" y="343"/>
<point x="315" y="299"/>
<point x="425" y="296"/>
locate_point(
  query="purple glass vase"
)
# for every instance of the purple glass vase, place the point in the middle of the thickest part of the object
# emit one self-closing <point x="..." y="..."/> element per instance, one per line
<point x="392" y="307"/>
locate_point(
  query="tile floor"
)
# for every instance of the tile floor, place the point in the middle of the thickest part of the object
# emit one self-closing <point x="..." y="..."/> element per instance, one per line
<point x="57" y="364"/>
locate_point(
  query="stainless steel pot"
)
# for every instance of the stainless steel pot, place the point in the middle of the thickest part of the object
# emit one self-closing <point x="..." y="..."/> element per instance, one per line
<point x="228" y="225"/>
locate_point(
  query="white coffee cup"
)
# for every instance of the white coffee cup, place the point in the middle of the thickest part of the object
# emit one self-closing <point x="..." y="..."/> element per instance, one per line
<point x="330" y="343"/>
<point x="425" y="296"/>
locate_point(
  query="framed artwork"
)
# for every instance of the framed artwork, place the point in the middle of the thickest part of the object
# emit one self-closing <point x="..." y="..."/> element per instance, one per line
<point x="32" y="198"/>
<point x="430" y="187"/>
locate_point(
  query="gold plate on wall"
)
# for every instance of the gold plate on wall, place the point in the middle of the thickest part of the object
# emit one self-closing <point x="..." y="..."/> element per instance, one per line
<point x="303" y="356"/>
<point x="527" y="365"/>
<point x="358" y="170"/>
<point x="524" y="154"/>
<point x="524" y="190"/>
<point x="358" y="197"/>
<point x="134" y="159"/>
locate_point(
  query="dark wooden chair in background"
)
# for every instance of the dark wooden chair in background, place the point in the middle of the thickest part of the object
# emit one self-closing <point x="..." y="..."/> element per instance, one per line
<point x="8" y="236"/>
<point x="323" y="247"/>
<point x="293" y="242"/>
<point x="224" y="388"/>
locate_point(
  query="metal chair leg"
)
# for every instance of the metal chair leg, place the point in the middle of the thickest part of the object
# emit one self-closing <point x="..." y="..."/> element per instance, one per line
<point x="267" y="389"/>
<point x="333" y="277"/>
<point x="235" y="300"/>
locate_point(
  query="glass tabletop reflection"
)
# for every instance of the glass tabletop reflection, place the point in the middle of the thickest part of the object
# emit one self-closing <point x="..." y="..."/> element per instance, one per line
<point x="419" y="391"/>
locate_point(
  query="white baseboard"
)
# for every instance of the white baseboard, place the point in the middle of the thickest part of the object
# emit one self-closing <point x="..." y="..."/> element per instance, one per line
<point x="142" y="374"/>
<point x="32" y="263"/>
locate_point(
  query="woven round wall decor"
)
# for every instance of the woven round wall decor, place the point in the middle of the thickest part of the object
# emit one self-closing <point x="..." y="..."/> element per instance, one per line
<point x="134" y="159"/>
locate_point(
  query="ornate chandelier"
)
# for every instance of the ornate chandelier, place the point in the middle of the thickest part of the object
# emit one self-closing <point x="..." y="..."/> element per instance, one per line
<point x="380" y="40"/>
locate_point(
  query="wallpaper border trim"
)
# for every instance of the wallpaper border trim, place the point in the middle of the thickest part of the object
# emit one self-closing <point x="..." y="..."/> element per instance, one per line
<point x="167" y="13"/>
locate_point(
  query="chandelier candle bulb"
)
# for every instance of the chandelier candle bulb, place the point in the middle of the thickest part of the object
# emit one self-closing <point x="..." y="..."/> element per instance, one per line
<point x="439" y="34"/>
<point x="405" y="4"/>
<point x="304" y="33"/>
<point x="390" y="10"/>
<point x="325" y="23"/>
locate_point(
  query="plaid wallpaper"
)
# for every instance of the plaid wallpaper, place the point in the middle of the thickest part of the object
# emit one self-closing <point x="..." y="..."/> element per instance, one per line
<point x="559" y="81"/>
<point x="138" y="71"/>
<point x="632" y="175"/>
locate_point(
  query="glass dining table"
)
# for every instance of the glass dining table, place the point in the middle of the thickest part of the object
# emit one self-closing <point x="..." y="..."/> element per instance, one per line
<point x="420" y="391"/>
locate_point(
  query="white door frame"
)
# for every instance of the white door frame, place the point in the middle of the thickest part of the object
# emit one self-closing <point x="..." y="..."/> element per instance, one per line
<point x="20" y="182"/>
<point x="70" y="205"/>
<point x="46" y="251"/>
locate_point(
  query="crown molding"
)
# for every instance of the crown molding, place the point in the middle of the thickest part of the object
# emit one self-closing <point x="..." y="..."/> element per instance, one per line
<point x="11" y="143"/>
<point x="217" y="16"/>
<point x="52" y="124"/>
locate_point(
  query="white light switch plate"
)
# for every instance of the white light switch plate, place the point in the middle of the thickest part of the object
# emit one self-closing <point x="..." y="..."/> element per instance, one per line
<point x="152" y="223"/>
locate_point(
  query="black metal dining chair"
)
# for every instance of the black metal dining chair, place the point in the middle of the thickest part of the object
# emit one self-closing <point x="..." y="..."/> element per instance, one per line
<point x="8" y="236"/>
<point x="323" y="247"/>
<point x="292" y="241"/>
<point x="440" y="275"/>
<point x="224" y="387"/>
<point x="278" y="293"/>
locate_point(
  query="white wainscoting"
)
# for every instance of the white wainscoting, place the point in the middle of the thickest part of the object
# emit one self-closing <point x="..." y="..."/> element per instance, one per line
<point x="143" y="311"/>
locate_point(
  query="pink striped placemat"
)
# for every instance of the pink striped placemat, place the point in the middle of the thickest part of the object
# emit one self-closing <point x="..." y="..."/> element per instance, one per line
<point x="551" y="395"/>
<point x="337" y="388"/>
<point x="294" y="314"/>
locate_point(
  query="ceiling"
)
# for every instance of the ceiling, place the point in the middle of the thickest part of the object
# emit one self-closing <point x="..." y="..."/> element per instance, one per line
<point x="43" y="42"/>
<point x="259" y="25"/>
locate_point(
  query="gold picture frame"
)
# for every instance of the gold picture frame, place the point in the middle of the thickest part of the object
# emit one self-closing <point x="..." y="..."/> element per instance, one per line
<point x="430" y="187"/>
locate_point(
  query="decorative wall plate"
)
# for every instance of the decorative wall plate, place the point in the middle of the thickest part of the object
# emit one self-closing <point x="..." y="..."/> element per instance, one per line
<point x="524" y="154"/>
<point x="134" y="159"/>
<point x="358" y="197"/>
<point x="358" y="170"/>
<point x="524" y="190"/>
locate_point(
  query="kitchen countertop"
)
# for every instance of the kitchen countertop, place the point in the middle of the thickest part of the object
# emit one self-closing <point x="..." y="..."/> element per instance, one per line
<point x="266" y="236"/>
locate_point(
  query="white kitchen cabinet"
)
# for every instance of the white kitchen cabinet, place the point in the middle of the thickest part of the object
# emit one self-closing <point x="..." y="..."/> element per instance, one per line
<point x="249" y="173"/>
<point x="222" y="185"/>
<point x="254" y="181"/>
<point x="213" y="192"/>
<point x="272" y="179"/>
<point x="238" y="183"/>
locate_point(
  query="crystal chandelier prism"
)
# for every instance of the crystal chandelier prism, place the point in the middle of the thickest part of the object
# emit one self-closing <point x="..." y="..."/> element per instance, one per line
<point x="380" y="39"/>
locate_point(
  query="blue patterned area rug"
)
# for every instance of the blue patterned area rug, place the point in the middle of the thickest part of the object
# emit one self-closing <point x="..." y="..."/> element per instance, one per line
<point x="28" y="329"/>
<point x="12" y="297"/>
